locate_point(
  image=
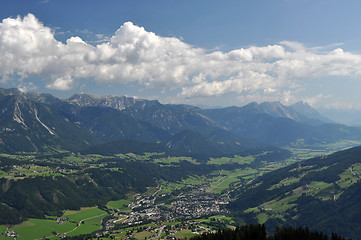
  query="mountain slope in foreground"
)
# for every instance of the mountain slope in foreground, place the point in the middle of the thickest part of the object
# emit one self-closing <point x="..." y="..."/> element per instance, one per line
<point x="323" y="193"/>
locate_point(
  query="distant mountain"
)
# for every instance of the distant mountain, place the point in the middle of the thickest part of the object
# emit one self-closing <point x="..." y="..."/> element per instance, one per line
<point x="269" y="122"/>
<point x="299" y="112"/>
<point x="274" y="109"/>
<point x="118" y="103"/>
<point x="350" y="117"/>
<point x="107" y="124"/>
<point x="9" y="91"/>
<point x="323" y="193"/>
<point x="35" y="122"/>
<point x="309" y="112"/>
<point x="279" y="125"/>
<point x="171" y="118"/>
<point x="43" y="122"/>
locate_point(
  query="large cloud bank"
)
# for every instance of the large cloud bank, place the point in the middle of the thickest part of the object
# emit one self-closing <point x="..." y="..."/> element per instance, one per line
<point x="28" y="48"/>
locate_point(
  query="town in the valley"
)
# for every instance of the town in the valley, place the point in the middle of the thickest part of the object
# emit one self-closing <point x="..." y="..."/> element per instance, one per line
<point x="188" y="210"/>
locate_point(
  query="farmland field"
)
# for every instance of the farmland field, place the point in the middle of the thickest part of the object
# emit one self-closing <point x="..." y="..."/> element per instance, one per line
<point x="84" y="213"/>
<point x="39" y="228"/>
<point x="122" y="204"/>
<point x="84" y="221"/>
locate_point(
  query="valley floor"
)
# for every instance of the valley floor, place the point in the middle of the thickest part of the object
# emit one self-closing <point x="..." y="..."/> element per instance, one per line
<point x="179" y="209"/>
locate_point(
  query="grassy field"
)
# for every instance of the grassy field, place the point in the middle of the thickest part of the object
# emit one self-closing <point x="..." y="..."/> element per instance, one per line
<point x="321" y="190"/>
<point x="168" y="187"/>
<point x="73" y="159"/>
<point x="169" y="160"/>
<point x="223" y="183"/>
<point x="84" y="221"/>
<point x="142" y="235"/>
<point x="209" y="219"/>
<point x="274" y="208"/>
<point x="306" y="152"/>
<point x="83" y="213"/>
<point x="235" y="159"/>
<point x="226" y="178"/>
<point x="221" y="180"/>
<point x="285" y="182"/>
<point x="2" y="232"/>
<point x="193" y="180"/>
<point x="122" y="204"/>
<point x="39" y="228"/>
<point x="88" y="225"/>
<point x="281" y="205"/>
<point x="28" y="170"/>
<point x="184" y="234"/>
<point x="350" y="176"/>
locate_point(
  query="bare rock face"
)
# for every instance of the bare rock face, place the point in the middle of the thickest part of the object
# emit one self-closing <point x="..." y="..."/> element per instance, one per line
<point x="119" y="103"/>
<point x="28" y="125"/>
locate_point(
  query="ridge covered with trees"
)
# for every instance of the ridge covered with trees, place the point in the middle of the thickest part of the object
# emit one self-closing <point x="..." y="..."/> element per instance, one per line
<point x="258" y="232"/>
<point x="323" y="192"/>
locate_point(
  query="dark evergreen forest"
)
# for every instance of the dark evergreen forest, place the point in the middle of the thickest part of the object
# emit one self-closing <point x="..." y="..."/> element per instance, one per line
<point x="258" y="232"/>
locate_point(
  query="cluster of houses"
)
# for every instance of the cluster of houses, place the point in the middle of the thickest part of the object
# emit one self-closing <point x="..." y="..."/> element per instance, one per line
<point x="11" y="234"/>
<point x="61" y="220"/>
<point x="193" y="203"/>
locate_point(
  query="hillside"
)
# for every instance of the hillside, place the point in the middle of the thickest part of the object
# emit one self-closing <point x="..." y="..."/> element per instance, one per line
<point x="322" y="193"/>
<point x="28" y="126"/>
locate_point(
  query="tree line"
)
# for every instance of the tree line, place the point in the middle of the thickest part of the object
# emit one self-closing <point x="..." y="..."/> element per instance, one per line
<point x="258" y="232"/>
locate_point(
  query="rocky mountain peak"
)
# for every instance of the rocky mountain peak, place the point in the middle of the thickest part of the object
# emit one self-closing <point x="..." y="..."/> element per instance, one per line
<point x="306" y="110"/>
<point x="115" y="102"/>
<point x="274" y="109"/>
<point x="10" y="91"/>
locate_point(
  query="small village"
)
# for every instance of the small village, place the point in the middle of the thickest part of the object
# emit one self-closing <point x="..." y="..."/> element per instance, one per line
<point x="171" y="214"/>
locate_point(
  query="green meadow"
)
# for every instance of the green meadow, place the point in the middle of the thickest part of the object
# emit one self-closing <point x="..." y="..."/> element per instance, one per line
<point x="84" y="213"/>
<point x="84" y="221"/>
<point x="40" y="228"/>
<point x="121" y="205"/>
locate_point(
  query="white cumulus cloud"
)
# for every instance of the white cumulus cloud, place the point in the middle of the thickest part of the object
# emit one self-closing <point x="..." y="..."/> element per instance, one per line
<point x="244" y="82"/>
<point x="62" y="83"/>
<point x="28" y="48"/>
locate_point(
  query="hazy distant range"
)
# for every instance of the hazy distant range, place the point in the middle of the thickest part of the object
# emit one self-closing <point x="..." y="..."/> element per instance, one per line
<point x="350" y="117"/>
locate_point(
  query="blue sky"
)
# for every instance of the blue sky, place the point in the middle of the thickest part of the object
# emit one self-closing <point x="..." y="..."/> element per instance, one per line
<point x="215" y="53"/>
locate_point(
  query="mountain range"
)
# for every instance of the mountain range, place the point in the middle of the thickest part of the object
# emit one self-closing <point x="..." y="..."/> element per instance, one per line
<point x="32" y="122"/>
